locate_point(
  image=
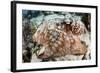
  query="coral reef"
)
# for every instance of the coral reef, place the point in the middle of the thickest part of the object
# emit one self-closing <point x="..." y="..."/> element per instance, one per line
<point x="55" y="36"/>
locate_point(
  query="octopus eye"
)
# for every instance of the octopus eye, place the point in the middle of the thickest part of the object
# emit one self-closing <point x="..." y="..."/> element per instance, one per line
<point x="57" y="24"/>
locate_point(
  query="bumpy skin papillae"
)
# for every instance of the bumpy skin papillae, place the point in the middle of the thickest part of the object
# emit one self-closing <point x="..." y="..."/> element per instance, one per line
<point x="67" y="43"/>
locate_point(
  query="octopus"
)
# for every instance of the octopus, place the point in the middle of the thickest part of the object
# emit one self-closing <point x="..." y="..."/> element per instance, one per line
<point x="60" y="41"/>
